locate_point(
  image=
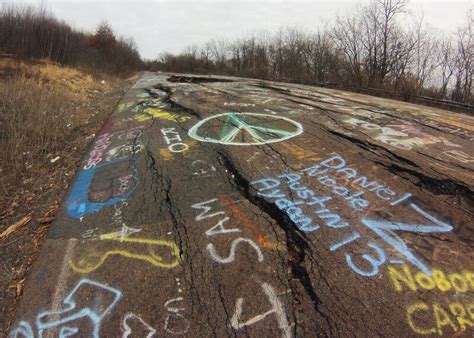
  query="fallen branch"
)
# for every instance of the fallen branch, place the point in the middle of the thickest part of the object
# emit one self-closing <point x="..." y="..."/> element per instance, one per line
<point x="14" y="227"/>
<point x="45" y="220"/>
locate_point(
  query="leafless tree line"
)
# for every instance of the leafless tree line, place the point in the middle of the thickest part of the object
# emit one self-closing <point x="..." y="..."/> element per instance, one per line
<point x="380" y="46"/>
<point x="32" y="32"/>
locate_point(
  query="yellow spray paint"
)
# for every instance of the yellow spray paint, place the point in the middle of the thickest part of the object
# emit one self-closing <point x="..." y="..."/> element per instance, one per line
<point x="153" y="112"/>
<point x="411" y="311"/>
<point x="404" y="279"/>
<point x="94" y="260"/>
<point x="167" y="155"/>
<point x="436" y="319"/>
<point x="299" y="152"/>
<point x="125" y="106"/>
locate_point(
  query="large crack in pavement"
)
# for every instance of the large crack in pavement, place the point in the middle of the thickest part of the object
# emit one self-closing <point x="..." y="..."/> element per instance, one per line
<point x="398" y="165"/>
<point x="173" y="104"/>
<point x="296" y="242"/>
<point x="196" y="79"/>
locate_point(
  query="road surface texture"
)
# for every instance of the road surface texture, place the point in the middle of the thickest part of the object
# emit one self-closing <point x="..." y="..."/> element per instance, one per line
<point x="223" y="207"/>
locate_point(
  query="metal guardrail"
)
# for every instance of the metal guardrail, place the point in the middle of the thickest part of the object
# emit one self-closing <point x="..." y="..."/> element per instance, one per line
<point x="467" y="108"/>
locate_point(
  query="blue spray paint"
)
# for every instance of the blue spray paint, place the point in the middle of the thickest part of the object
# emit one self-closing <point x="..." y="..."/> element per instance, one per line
<point x="288" y="206"/>
<point x="23" y="330"/>
<point x="63" y="320"/>
<point x="41" y="276"/>
<point x="385" y="229"/>
<point x="78" y="204"/>
<point x="375" y="262"/>
<point x="143" y="95"/>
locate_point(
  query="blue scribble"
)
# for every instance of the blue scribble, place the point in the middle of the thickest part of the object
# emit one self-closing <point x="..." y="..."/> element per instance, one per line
<point x="23" y="330"/>
<point x="78" y="204"/>
<point x="64" y="319"/>
<point x="41" y="276"/>
<point x="385" y="229"/>
<point x="374" y="262"/>
<point x="143" y="95"/>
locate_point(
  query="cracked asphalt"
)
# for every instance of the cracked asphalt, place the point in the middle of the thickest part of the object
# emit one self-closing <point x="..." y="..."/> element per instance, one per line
<point x="219" y="206"/>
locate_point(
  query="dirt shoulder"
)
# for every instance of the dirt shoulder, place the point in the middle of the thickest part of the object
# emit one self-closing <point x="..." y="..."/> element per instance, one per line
<point x="41" y="150"/>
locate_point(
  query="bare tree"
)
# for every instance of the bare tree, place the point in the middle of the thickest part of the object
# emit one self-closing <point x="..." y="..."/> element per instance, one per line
<point x="426" y="47"/>
<point x="218" y="51"/>
<point x="464" y="66"/>
<point x="446" y="65"/>
<point x="384" y="40"/>
<point x="33" y="32"/>
<point x="370" y="48"/>
<point x="347" y="36"/>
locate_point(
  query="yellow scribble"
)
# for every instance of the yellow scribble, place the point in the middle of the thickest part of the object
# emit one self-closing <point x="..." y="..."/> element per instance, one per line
<point x="405" y="279"/>
<point x="153" y="112"/>
<point x="92" y="261"/>
<point x="413" y="309"/>
<point x="435" y="319"/>
<point x="125" y="106"/>
<point x="167" y="155"/>
<point x="300" y="153"/>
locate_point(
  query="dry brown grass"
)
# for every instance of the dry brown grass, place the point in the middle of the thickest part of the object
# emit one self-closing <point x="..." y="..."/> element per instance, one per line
<point x="33" y="121"/>
<point x="46" y="111"/>
<point x="37" y="113"/>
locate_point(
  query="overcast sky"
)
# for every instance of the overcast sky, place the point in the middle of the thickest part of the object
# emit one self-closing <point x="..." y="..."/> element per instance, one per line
<point x="170" y="25"/>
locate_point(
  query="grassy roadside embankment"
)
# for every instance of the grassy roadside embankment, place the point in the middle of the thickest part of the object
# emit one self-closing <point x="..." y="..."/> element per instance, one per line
<point x="49" y="114"/>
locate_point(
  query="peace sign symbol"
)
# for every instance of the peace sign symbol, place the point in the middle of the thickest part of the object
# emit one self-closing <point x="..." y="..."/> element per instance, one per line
<point x="243" y="129"/>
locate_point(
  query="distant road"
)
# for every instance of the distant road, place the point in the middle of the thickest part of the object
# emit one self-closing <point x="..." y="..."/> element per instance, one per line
<point x="216" y="206"/>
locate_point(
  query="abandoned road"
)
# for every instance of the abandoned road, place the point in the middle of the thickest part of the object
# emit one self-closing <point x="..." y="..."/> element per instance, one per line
<point x="217" y="206"/>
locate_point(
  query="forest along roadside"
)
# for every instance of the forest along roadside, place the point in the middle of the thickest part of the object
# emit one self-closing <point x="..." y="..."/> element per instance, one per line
<point x="219" y="206"/>
<point x="50" y="114"/>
